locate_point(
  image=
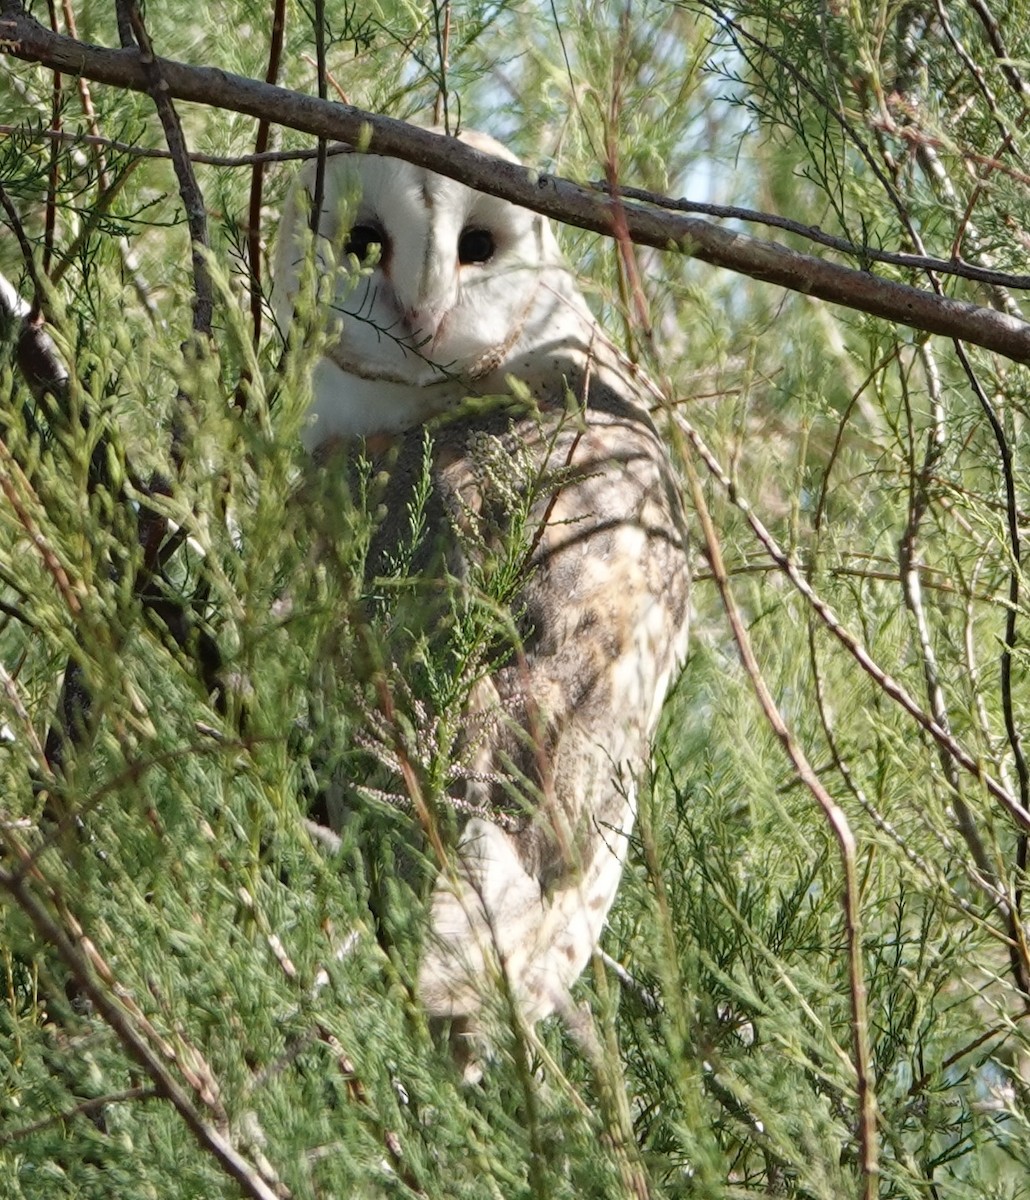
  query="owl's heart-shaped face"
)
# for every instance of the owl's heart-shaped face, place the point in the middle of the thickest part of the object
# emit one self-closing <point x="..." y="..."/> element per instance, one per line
<point x="450" y="273"/>
<point x="435" y="287"/>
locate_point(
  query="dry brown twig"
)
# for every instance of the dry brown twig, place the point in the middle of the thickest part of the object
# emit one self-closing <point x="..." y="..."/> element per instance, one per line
<point x="838" y="822"/>
<point x="564" y="200"/>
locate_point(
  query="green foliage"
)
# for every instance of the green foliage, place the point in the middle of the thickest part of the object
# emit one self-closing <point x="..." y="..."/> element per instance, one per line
<point x="274" y="974"/>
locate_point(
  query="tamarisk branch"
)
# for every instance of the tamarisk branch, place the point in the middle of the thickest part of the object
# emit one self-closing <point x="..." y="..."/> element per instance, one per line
<point x="564" y="200"/>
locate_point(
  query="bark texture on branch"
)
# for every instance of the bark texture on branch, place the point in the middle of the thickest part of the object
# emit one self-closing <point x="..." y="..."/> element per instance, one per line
<point x="23" y="37"/>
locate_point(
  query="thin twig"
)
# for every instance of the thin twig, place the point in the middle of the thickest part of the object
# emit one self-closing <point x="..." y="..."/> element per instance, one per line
<point x="321" y="70"/>
<point x="909" y="571"/>
<point x="1005" y="61"/>
<point x="83" y="1109"/>
<point x="14" y="485"/>
<point x="848" y="640"/>
<point x="929" y="871"/>
<point x="968" y="234"/>
<point x="76" y="140"/>
<point x="54" y="171"/>
<point x="441" y="110"/>
<point x="104" y="200"/>
<point x="275" y="50"/>
<point x="630" y="287"/>
<point x="86" y="100"/>
<point x="864" y="252"/>
<point x="1020" y="949"/>
<point x="25" y="246"/>
<point x="838" y="823"/>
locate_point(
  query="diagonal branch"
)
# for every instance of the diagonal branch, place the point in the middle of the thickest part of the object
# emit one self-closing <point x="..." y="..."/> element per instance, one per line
<point x="73" y="946"/>
<point x="564" y="200"/>
<point x="189" y="189"/>
<point x="257" y="177"/>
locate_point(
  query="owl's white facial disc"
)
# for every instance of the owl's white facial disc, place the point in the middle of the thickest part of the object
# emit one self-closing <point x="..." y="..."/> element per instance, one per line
<point x="455" y="284"/>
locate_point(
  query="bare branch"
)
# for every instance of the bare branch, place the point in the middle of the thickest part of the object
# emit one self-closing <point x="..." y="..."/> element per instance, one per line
<point x="562" y="199"/>
<point x="866" y="253"/>
<point x="960" y="268"/>
<point x="83" y="1109"/>
<point x="1005" y="61"/>
<point x="72" y="946"/>
<point x="275" y="50"/>
<point x="189" y="189"/>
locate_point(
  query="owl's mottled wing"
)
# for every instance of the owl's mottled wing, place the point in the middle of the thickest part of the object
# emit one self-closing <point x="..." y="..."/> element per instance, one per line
<point x="565" y="725"/>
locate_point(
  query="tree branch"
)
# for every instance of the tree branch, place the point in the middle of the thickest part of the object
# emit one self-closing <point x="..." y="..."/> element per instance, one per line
<point x="72" y="946"/>
<point x="189" y="189"/>
<point x="562" y="199"/>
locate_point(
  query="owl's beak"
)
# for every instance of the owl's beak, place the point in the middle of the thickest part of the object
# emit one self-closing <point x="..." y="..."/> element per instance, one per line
<point x="424" y="323"/>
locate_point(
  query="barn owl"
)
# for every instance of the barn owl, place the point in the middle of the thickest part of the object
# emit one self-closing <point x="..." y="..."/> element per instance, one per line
<point x="440" y="293"/>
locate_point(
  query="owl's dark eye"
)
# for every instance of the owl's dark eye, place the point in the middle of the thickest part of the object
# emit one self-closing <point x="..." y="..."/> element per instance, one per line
<point x="362" y="238"/>
<point x="475" y="246"/>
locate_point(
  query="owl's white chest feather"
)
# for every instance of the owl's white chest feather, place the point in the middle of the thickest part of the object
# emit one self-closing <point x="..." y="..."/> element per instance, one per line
<point x="344" y="405"/>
